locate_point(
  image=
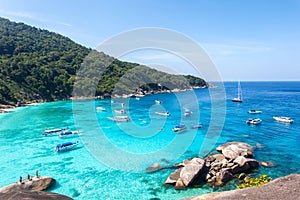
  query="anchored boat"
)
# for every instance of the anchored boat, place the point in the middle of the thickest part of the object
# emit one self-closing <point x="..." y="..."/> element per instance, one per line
<point x="65" y="146"/>
<point x="239" y="97"/>
<point x="283" y="119"/>
<point x="54" y="132"/>
<point x="255" y="121"/>
<point x="163" y="113"/>
<point x="179" y="128"/>
<point x="68" y="134"/>
<point x="254" y="111"/>
<point x="119" y="118"/>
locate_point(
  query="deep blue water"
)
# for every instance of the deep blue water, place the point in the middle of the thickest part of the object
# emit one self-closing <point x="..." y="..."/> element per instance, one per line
<point x="110" y="162"/>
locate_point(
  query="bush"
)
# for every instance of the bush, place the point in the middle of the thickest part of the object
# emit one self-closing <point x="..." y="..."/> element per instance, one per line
<point x="254" y="182"/>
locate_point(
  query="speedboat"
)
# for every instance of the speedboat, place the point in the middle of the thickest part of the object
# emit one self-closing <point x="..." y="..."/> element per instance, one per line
<point x="254" y="111"/>
<point x="65" y="146"/>
<point x="119" y="118"/>
<point x="255" y="121"/>
<point x="197" y="126"/>
<point x="157" y="101"/>
<point x="163" y="113"/>
<point x="179" y="128"/>
<point x="68" y="134"/>
<point x="187" y="113"/>
<point x="283" y="119"/>
<point x="54" y="132"/>
<point x="121" y="111"/>
<point x="100" y="108"/>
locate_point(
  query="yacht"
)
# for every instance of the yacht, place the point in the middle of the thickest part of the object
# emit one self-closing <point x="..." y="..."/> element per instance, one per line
<point x="239" y="97"/>
<point x="283" y="119"/>
<point x="254" y="111"/>
<point x="255" y="121"/>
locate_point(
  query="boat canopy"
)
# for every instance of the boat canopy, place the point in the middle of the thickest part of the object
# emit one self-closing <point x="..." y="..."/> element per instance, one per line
<point x="65" y="144"/>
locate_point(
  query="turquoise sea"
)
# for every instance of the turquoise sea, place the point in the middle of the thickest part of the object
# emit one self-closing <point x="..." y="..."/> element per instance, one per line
<point x="111" y="159"/>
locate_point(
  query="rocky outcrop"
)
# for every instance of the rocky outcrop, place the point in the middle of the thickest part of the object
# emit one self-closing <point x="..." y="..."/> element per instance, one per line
<point x="286" y="188"/>
<point x="236" y="158"/>
<point x="153" y="168"/>
<point x="35" y="183"/>
<point x="231" y="150"/>
<point x="32" y="195"/>
<point x="192" y="172"/>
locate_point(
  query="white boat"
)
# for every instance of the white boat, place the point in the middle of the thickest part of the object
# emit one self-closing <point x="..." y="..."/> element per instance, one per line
<point x="254" y="111"/>
<point x="187" y="113"/>
<point x="119" y="118"/>
<point x="179" y="128"/>
<point x="121" y="111"/>
<point x="65" y="146"/>
<point x="163" y="113"/>
<point x="68" y="134"/>
<point x="54" y="132"/>
<point x="100" y="108"/>
<point x="239" y="97"/>
<point x="283" y="119"/>
<point x="255" y="121"/>
<point x="197" y="126"/>
<point x="157" y="101"/>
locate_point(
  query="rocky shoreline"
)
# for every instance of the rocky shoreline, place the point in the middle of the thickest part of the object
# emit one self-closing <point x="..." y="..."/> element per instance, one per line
<point x="4" y="108"/>
<point x="286" y="188"/>
<point x="31" y="188"/>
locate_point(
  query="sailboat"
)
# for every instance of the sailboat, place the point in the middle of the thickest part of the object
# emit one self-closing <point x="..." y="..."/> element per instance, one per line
<point x="239" y="98"/>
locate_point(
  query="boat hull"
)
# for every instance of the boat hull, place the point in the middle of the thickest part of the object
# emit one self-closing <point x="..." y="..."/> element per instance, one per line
<point x="254" y="121"/>
<point x="284" y="119"/>
<point x="66" y="146"/>
<point x="237" y="100"/>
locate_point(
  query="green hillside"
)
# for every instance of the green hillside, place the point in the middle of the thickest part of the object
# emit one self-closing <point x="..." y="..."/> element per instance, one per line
<point x="38" y="64"/>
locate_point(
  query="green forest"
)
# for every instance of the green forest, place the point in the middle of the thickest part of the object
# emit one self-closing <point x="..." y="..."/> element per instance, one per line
<point x="37" y="64"/>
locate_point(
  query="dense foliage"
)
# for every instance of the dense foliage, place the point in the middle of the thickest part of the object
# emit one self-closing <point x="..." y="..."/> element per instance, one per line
<point x="38" y="64"/>
<point x="254" y="182"/>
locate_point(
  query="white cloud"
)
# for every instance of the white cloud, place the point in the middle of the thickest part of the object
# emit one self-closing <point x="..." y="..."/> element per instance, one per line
<point x="28" y="15"/>
<point x="235" y="49"/>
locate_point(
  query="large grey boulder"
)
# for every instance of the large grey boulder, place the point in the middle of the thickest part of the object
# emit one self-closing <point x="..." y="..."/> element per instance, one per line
<point x="232" y="150"/>
<point x="36" y="183"/>
<point x="32" y="195"/>
<point x="173" y="178"/>
<point x="191" y="171"/>
<point x="286" y="188"/>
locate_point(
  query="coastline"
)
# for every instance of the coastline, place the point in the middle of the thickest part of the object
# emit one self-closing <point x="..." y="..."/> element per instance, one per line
<point x="285" y="187"/>
<point x="5" y="108"/>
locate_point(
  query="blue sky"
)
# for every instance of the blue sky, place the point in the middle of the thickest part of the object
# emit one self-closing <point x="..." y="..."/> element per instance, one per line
<point x="246" y="40"/>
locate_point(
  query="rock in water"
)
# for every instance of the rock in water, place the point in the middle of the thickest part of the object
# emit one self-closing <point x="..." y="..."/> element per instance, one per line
<point x="37" y="184"/>
<point x="191" y="171"/>
<point x="155" y="167"/>
<point x="232" y="150"/>
<point x="172" y="179"/>
<point x="30" y="195"/>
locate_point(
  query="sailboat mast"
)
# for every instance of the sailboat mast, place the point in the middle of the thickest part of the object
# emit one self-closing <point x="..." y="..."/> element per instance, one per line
<point x="239" y="91"/>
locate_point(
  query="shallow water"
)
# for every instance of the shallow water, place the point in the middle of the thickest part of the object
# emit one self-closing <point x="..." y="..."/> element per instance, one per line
<point x="110" y="162"/>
